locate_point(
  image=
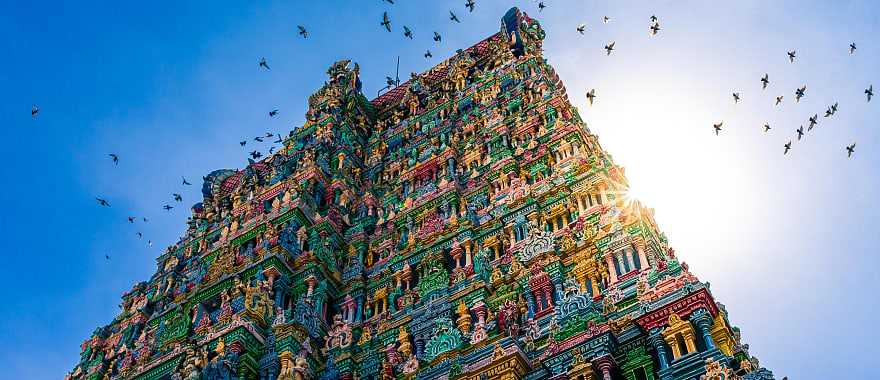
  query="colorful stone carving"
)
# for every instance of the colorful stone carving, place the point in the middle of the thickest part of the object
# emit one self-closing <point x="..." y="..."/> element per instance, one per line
<point x="465" y="225"/>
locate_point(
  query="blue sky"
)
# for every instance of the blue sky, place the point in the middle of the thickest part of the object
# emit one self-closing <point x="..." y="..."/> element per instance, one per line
<point x="789" y="243"/>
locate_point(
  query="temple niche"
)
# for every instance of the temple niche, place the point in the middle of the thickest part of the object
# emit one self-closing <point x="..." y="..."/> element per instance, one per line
<point x="465" y="224"/>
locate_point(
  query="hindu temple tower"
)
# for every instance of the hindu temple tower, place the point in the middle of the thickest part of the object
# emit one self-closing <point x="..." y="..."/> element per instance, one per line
<point x="463" y="225"/>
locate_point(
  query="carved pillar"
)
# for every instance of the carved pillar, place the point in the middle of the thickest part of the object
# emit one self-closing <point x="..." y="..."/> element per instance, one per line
<point x="703" y="321"/>
<point x="657" y="341"/>
<point x="610" y="261"/>
<point x="604" y="364"/>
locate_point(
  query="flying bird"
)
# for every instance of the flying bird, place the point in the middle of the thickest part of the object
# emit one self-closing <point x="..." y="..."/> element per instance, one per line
<point x="470" y="5"/>
<point x="139" y="235"/>
<point x="271" y="149"/>
<point x="114" y="158"/>
<point x="34" y="111"/>
<point x="828" y="112"/>
<point x="813" y="121"/>
<point x="541" y="6"/>
<point x="386" y="22"/>
<point x="242" y="143"/>
<point x="791" y="56"/>
<point x="605" y="19"/>
<point x="787" y="147"/>
<point x="264" y="64"/>
<point x="581" y="28"/>
<point x="131" y="219"/>
<point x="653" y="18"/>
<point x="302" y="31"/>
<point x="185" y="183"/>
<point x="167" y="207"/>
<point x="273" y="113"/>
<point x="765" y="80"/>
<point x="779" y="99"/>
<point x="591" y="96"/>
<point x="279" y="141"/>
<point x="149" y="243"/>
<point x="390" y="81"/>
<point x="850" y="149"/>
<point x="800" y="132"/>
<point x="106" y="256"/>
<point x="834" y="108"/>
<point x="766" y="127"/>
<point x="735" y="97"/>
<point x="268" y="135"/>
<point x="256" y="155"/>
<point x="428" y="54"/>
<point x="406" y="32"/>
<point x="869" y="92"/>
<point x="609" y="48"/>
<point x="258" y="139"/>
<point x="852" y="48"/>
<point x="177" y="197"/>
<point x="145" y="219"/>
<point x="799" y="93"/>
<point x="453" y="17"/>
<point x="437" y="37"/>
<point x="103" y="202"/>
<point x="717" y="127"/>
<point x="655" y="28"/>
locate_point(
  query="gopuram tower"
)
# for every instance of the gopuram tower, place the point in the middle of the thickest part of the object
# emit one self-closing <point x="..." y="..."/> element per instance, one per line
<point x="464" y="225"/>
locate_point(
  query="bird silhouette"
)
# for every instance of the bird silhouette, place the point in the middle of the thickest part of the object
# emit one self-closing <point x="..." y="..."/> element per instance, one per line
<point x="145" y="219"/>
<point x="114" y="158"/>
<point x="437" y="37"/>
<point x="302" y="31"/>
<point x="453" y="17"/>
<point x="606" y="19"/>
<point x="787" y="147"/>
<point x="581" y="28"/>
<point x="167" y="207"/>
<point x="834" y="108"/>
<point x="850" y="149"/>
<point x="185" y="183"/>
<point x="390" y="82"/>
<point x="717" y="127"/>
<point x="541" y="6"/>
<point x="149" y="243"/>
<point x="177" y="197"/>
<point x="799" y="93"/>
<point x="131" y="219"/>
<point x="103" y="202"/>
<point x="268" y="135"/>
<point x="655" y="28"/>
<point x="828" y="112"/>
<point x="428" y="54"/>
<point x="242" y="143"/>
<point x="279" y="141"/>
<point x="852" y="48"/>
<point x="271" y="149"/>
<point x="256" y="155"/>
<point x="591" y="95"/>
<point x="609" y="48"/>
<point x="654" y="18"/>
<point x="869" y="92"/>
<point x="791" y="56"/>
<point x="735" y="97"/>
<point x="800" y="132"/>
<point x="258" y="139"/>
<point x="765" y="80"/>
<point x="264" y="64"/>
<point x="779" y="99"/>
<point x="34" y="111"/>
<point x="273" y="113"/>
<point x="386" y="22"/>
<point x="407" y="33"/>
<point x="813" y="121"/>
<point x="766" y="127"/>
<point x="470" y="5"/>
<point x="106" y="256"/>
<point x="139" y="235"/>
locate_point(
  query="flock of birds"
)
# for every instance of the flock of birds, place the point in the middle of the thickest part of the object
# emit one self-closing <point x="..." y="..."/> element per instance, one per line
<point x="799" y="92"/>
<point x="591" y="96"/>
